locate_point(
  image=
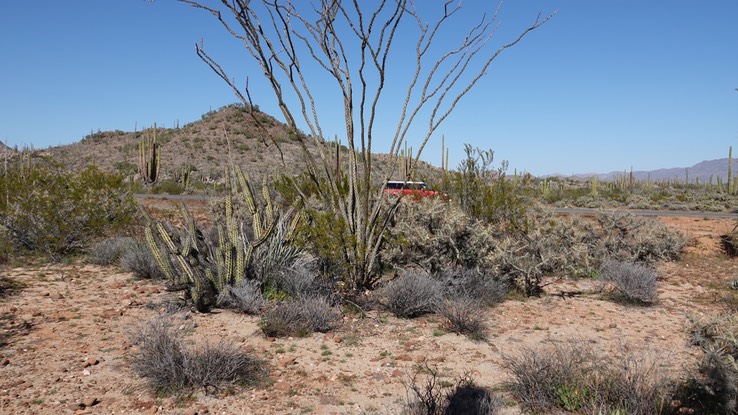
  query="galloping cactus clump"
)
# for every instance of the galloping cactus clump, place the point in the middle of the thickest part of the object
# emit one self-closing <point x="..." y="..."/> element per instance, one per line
<point x="203" y="268"/>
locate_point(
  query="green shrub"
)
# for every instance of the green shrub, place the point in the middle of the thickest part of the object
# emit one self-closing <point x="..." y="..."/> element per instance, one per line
<point x="56" y="213"/>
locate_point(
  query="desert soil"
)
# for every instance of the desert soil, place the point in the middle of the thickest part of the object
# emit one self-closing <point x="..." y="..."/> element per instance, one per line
<point x="64" y="340"/>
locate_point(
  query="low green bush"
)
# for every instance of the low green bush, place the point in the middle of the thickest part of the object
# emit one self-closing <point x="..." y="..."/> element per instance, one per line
<point x="56" y="213"/>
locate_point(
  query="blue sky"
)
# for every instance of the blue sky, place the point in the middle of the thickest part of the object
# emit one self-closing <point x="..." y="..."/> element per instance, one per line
<point x="603" y="86"/>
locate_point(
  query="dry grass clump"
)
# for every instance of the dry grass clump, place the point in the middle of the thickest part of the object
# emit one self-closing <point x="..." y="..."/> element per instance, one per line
<point x="138" y="259"/>
<point x="574" y="378"/>
<point x="413" y="294"/>
<point x="630" y="282"/>
<point x="109" y="250"/>
<point x="299" y="317"/>
<point x="171" y="366"/>
<point x="244" y="296"/>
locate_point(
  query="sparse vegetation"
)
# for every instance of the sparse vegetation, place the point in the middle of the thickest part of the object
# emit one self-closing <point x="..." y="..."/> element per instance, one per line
<point x="138" y="259"/>
<point x="172" y="367"/>
<point x="464" y="315"/>
<point x="573" y="377"/>
<point x="630" y="282"/>
<point x="428" y="394"/>
<point x="299" y="317"/>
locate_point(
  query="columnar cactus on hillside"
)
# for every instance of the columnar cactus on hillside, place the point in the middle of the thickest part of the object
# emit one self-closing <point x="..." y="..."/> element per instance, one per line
<point x="149" y="158"/>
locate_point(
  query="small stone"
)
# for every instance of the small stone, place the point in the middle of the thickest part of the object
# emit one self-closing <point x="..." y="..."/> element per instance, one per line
<point x="288" y="361"/>
<point x="4" y="362"/>
<point x="282" y="386"/>
<point x="404" y="358"/>
<point x="86" y="372"/>
<point x="613" y="326"/>
<point x="56" y="296"/>
<point x="152" y="410"/>
<point x="90" y="402"/>
<point x="91" y="362"/>
<point x="397" y="373"/>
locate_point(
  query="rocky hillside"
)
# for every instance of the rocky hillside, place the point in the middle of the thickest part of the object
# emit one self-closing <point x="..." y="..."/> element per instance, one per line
<point x="230" y="133"/>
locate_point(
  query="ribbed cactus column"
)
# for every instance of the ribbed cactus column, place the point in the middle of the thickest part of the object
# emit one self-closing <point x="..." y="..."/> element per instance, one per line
<point x="149" y="158"/>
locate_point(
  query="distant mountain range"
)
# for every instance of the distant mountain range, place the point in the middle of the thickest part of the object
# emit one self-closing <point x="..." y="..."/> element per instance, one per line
<point x="703" y="171"/>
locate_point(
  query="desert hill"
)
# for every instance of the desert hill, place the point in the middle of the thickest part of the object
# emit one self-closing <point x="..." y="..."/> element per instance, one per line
<point x="258" y="143"/>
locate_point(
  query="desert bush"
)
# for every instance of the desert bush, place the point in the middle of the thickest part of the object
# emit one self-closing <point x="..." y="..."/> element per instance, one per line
<point x="413" y="294"/>
<point x="630" y="282"/>
<point x="486" y="193"/>
<point x="109" y="250"/>
<point x="573" y="377"/>
<point x="464" y="315"/>
<point x="626" y="236"/>
<point x="435" y="235"/>
<point x="477" y="283"/>
<point x="428" y="394"/>
<point x="245" y="296"/>
<point x="299" y="317"/>
<point x="170" y="366"/>
<point x="139" y="260"/>
<point x="56" y="213"/>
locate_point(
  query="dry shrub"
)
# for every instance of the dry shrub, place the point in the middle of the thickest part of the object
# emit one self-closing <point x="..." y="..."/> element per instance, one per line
<point x="427" y="394"/>
<point x="299" y="317"/>
<point x="464" y="315"/>
<point x="574" y="378"/>
<point x="640" y="239"/>
<point x="435" y="234"/>
<point x="480" y="284"/>
<point x="171" y="366"/>
<point x="630" y="282"/>
<point x="109" y="250"/>
<point x="244" y="296"/>
<point x="139" y="260"/>
<point x="413" y="294"/>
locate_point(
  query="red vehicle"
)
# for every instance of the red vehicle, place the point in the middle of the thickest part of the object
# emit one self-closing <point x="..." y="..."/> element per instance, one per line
<point x="417" y="190"/>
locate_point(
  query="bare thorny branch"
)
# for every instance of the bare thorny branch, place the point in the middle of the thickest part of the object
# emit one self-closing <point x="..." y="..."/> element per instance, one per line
<point x="334" y="35"/>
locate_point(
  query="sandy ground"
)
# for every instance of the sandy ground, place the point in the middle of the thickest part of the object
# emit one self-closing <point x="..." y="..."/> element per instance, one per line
<point x="64" y="340"/>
